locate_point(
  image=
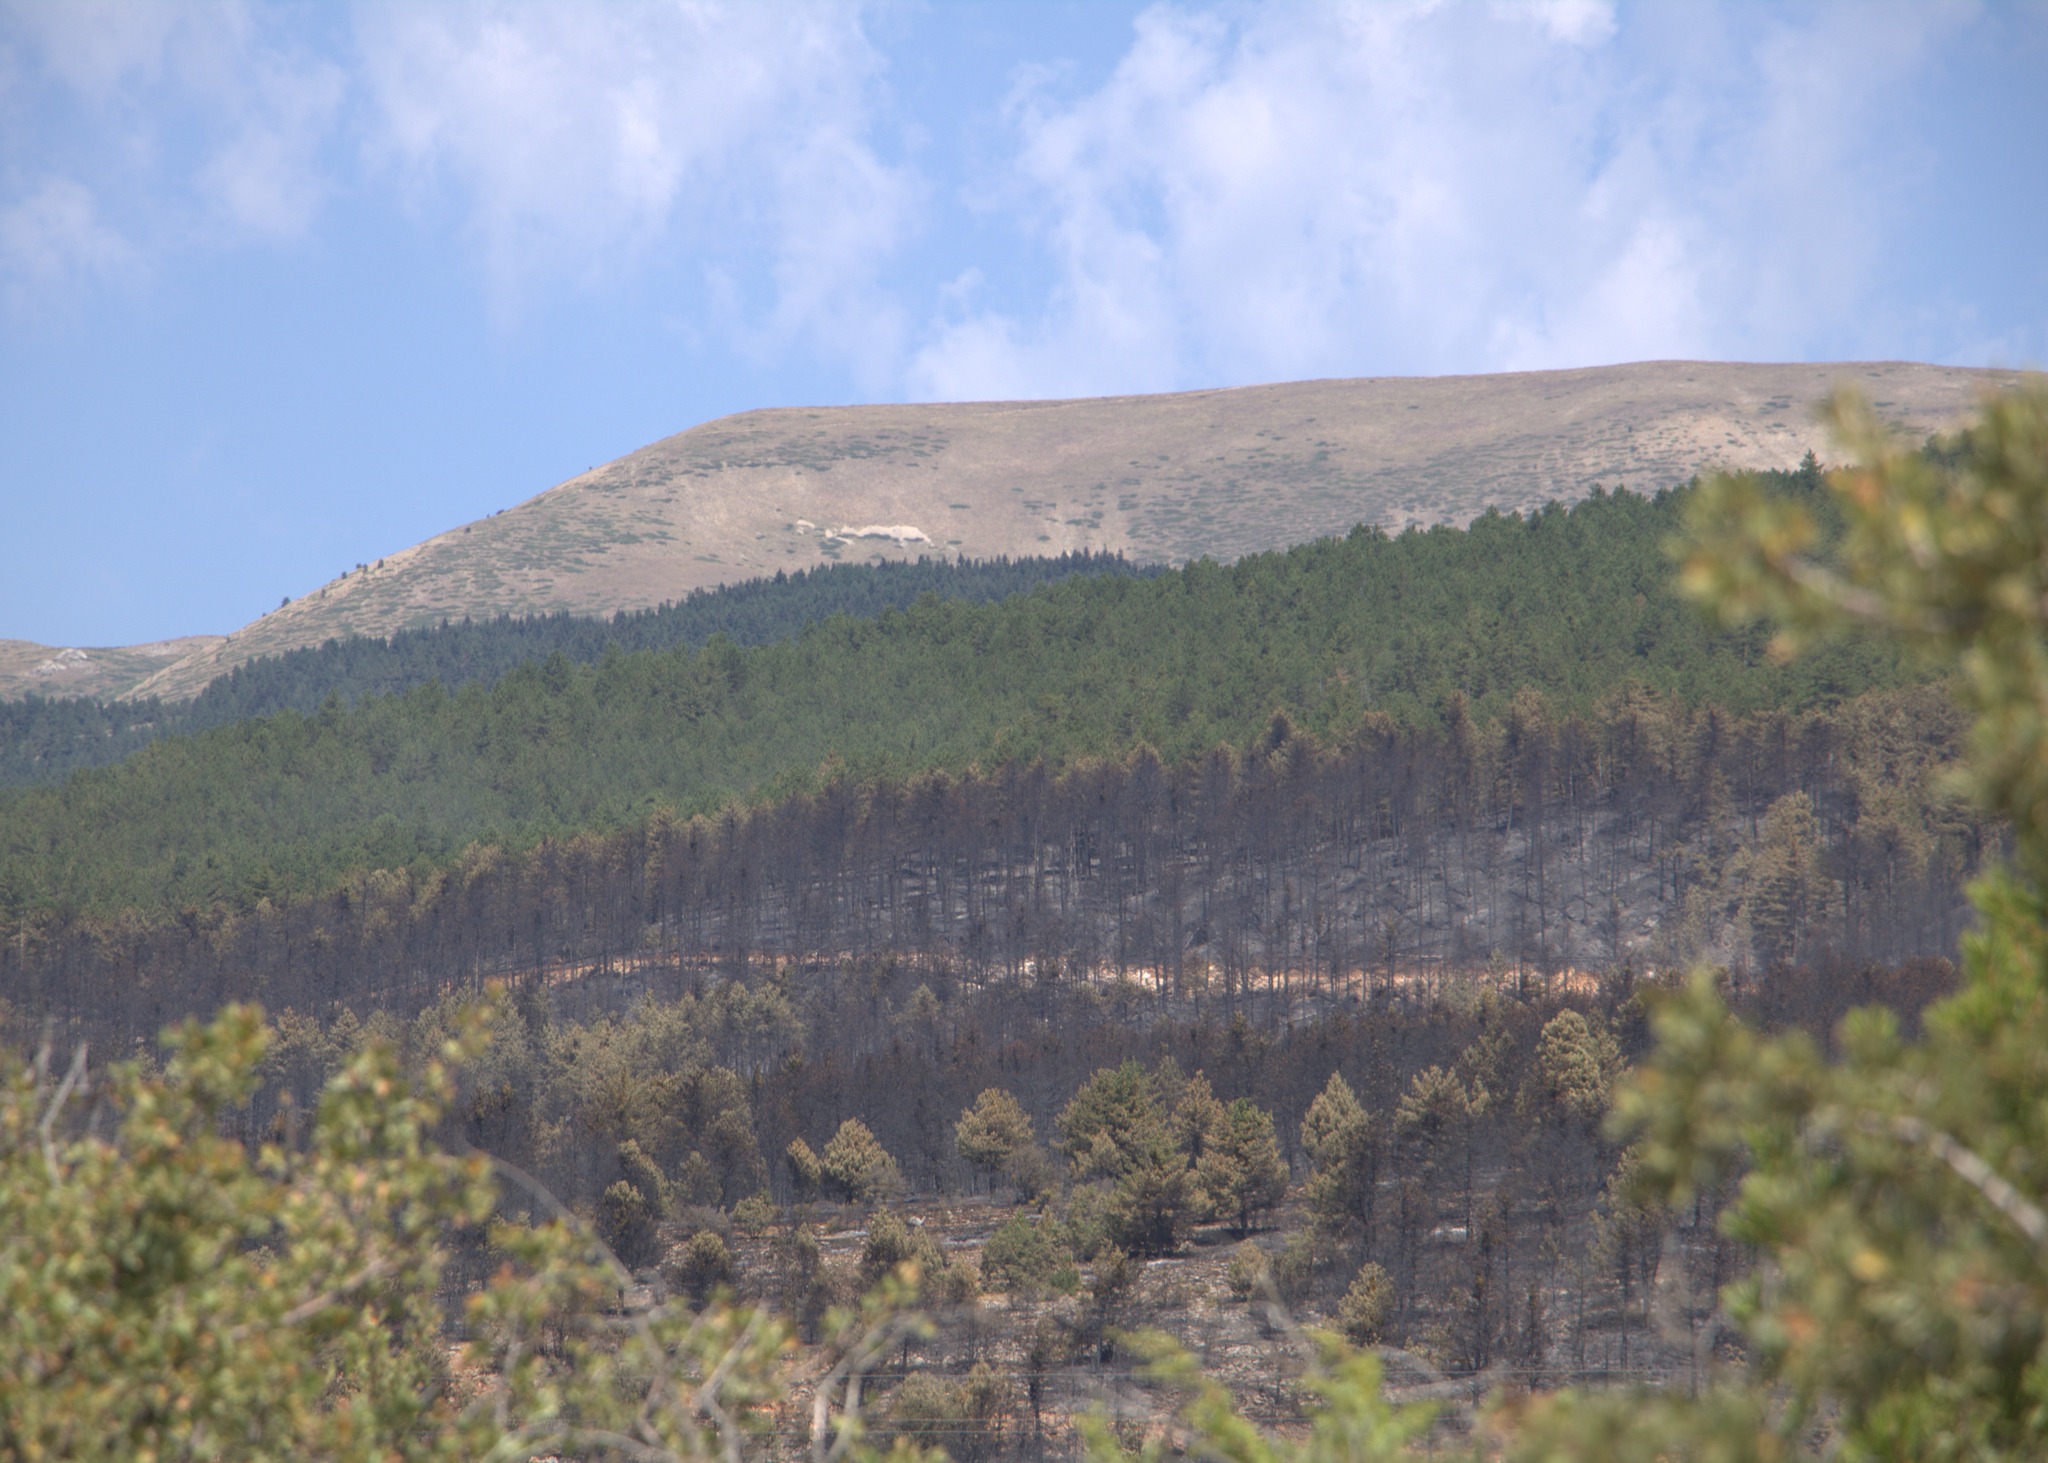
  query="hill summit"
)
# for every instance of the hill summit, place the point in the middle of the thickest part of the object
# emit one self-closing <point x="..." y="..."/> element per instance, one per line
<point x="1170" y="478"/>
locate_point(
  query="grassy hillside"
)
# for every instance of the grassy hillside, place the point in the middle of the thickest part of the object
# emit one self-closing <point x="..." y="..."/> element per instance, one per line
<point x="1574" y="603"/>
<point x="89" y="672"/>
<point x="1172" y="478"/>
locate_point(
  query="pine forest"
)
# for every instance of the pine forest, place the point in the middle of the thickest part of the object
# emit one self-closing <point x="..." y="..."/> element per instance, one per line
<point x="1567" y="986"/>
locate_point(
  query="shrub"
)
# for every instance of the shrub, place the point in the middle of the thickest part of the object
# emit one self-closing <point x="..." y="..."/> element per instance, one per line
<point x="891" y="1243"/>
<point x="754" y="1213"/>
<point x="811" y="1285"/>
<point x="806" y="1169"/>
<point x="1115" y="1279"/>
<point x="641" y="1172"/>
<point x="964" y="1417"/>
<point x="799" y="1254"/>
<point x="1024" y="1255"/>
<point x="704" y="1265"/>
<point x="1297" y="1268"/>
<point x="1248" y="1272"/>
<point x="1087" y="1220"/>
<point x="1365" y="1305"/>
<point x="958" y="1283"/>
<point x="626" y="1222"/>
<point x="690" y="1220"/>
<point x="1033" y="1172"/>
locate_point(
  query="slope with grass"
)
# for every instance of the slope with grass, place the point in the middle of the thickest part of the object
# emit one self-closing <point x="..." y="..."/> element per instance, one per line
<point x="1167" y="478"/>
<point x="95" y="672"/>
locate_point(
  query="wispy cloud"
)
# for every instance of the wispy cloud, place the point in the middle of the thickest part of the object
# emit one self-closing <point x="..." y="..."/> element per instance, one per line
<point x="52" y="239"/>
<point x="1303" y="190"/>
<point x="1253" y="192"/>
<point x="581" y="142"/>
<point x="566" y="146"/>
<point x="134" y="131"/>
<point x="266" y="176"/>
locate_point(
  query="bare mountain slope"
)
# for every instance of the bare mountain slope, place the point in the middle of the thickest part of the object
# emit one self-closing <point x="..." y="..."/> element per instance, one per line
<point x="1220" y="473"/>
<point x="29" y="669"/>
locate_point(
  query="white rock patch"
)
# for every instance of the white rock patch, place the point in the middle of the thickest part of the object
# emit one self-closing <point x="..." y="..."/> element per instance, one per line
<point x="902" y="533"/>
<point x="62" y="661"/>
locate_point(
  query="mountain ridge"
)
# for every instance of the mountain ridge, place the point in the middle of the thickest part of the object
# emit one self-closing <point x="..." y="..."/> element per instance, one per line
<point x="1217" y="473"/>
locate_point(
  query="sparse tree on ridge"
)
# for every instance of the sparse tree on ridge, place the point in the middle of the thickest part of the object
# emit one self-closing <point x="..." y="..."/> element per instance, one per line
<point x="1112" y="1121"/>
<point x="995" y="1135"/>
<point x="1242" y="1173"/>
<point x="1344" y="1143"/>
<point x="855" y="1168"/>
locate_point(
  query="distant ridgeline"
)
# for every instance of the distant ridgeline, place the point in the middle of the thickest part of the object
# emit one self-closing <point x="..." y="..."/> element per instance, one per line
<point x="47" y="739"/>
<point x="1574" y="605"/>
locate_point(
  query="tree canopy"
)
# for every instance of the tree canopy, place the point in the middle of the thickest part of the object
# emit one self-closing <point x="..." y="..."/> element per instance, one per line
<point x="1572" y="602"/>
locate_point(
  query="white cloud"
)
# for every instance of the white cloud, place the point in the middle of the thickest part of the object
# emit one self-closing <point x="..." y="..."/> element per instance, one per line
<point x="1576" y="22"/>
<point x="565" y="144"/>
<point x="98" y="46"/>
<point x="578" y="141"/>
<point x="52" y="239"/>
<point x="840" y="214"/>
<point x="1643" y="304"/>
<point x="1295" y="191"/>
<point x="266" y="177"/>
<point x="189" y="124"/>
<point x="1255" y="192"/>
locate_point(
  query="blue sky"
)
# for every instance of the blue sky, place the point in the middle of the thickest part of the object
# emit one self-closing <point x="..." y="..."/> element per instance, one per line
<point x="284" y="288"/>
